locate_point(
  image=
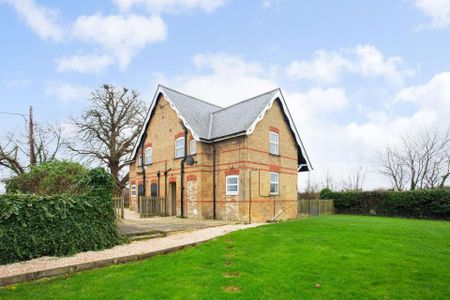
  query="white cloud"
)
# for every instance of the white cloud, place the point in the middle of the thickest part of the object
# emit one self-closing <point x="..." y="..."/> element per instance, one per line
<point x="66" y="92"/>
<point x="46" y="22"/>
<point x="437" y="10"/>
<point x="364" y="60"/>
<point x="338" y="137"/>
<point x="122" y="36"/>
<point x="84" y="63"/>
<point x="172" y="6"/>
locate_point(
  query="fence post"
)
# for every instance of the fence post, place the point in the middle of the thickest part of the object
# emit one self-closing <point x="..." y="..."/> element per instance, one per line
<point x="122" y="207"/>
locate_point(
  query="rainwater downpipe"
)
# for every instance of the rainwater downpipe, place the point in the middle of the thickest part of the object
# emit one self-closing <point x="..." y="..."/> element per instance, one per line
<point x="214" y="180"/>
<point x="183" y="161"/>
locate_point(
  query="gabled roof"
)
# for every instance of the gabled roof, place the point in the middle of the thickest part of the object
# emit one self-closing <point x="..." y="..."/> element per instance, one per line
<point x="209" y="123"/>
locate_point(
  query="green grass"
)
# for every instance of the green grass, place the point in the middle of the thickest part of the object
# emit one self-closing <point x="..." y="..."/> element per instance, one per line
<point x="349" y="256"/>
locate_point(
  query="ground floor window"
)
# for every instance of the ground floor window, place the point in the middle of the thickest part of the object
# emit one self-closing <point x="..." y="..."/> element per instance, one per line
<point x="133" y="190"/>
<point x="274" y="183"/>
<point x="232" y="182"/>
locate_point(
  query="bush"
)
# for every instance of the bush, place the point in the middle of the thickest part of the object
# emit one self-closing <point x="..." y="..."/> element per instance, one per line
<point x="325" y="193"/>
<point x="50" y="178"/>
<point x="426" y="204"/>
<point x="33" y="226"/>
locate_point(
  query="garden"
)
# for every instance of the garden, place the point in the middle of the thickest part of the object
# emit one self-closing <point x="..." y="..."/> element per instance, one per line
<point x="340" y="256"/>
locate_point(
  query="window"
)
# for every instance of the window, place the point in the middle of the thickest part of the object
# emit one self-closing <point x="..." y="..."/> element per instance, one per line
<point x="140" y="160"/>
<point x="232" y="185"/>
<point x="153" y="189"/>
<point x="148" y="156"/>
<point x="179" y="147"/>
<point x="193" y="147"/>
<point x="133" y="190"/>
<point x="274" y="183"/>
<point x="274" y="143"/>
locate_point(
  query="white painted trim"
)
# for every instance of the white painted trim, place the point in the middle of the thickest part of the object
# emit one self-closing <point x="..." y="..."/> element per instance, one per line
<point x="159" y="91"/>
<point x="232" y="193"/>
<point x="279" y="95"/>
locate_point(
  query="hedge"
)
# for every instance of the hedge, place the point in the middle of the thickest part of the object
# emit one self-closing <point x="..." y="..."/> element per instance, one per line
<point x="426" y="204"/>
<point x="33" y="226"/>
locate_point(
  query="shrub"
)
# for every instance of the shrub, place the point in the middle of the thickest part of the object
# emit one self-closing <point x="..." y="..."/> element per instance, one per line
<point x="427" y="204"/>
<point x="325" y="193"/>
<point x="33" y="225"/>
<point x="50" y="178"/>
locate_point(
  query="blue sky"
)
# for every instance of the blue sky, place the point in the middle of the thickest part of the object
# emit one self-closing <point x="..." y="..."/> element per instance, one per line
<point x="356" y="74"/>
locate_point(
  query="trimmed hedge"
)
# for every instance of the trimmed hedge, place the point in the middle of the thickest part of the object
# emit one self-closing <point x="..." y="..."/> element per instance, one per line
<point x="33" y="226"/>
<point x="422" y="204"/>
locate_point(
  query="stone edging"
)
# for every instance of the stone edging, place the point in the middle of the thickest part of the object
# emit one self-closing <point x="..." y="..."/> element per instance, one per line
<point x="66" y="270"/>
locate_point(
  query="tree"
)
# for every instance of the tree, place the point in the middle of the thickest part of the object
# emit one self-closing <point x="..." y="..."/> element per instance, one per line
<point x="355" y="180"/>
<point x="19" y="151"/>
<point x="107" y="130"/>
<point x="421" y="161"/>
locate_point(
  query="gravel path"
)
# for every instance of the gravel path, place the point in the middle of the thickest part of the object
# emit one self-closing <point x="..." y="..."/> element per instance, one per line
<point x="135" y="248"/>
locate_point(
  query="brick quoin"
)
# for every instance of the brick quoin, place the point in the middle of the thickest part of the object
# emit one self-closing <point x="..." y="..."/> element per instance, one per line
<point x="274" y="129"/>
<point x="232" y="172"/>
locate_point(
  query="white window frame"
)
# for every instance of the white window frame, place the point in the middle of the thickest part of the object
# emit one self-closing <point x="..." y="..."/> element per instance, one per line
<point x="179" y="148"/>
<point x="228" y="192"/>
<point x="148" y="157"/>
<point x="192" y="147"/>
<point x="140" y="160"/>
<point x="133" y="190"/>
<point x="276" y="144"/>
<point x="277" y="182"/>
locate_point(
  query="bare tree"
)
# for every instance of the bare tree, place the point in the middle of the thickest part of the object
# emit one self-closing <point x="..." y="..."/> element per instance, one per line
<point x="421" y="160"/>
<point x="107" y="130"/>
<point x="16" y="155"/>
<point x="393" y="167"/>
<point x="329" y="181"/>
<point x="355" y="180"/>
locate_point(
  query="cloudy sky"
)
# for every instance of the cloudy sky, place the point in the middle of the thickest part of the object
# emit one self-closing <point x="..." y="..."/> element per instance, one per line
<point x="356" y="74"/>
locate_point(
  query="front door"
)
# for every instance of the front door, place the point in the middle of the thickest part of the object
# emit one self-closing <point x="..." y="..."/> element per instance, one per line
<point x="173" y="195"/>
<point x="140" y="193"/>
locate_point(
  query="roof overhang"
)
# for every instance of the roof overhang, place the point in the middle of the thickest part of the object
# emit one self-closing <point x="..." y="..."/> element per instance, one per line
<point x="304" y="163"/>
<point x="160" y="91"/>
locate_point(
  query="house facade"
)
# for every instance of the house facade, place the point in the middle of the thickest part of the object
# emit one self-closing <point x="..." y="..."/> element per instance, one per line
<point x="237" y="163"/>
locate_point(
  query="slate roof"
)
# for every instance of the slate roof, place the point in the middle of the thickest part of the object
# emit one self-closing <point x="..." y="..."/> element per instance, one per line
<point x="209" y="122"/>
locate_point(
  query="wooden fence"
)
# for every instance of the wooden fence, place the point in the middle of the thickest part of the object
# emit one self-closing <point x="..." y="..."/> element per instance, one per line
<point x="152" y="206"/>
<point x="315" y="207"/>
<point x="119" y="210"/>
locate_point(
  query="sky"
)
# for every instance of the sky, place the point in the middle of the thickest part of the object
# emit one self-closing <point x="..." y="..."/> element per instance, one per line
<point x="356" y="75"/>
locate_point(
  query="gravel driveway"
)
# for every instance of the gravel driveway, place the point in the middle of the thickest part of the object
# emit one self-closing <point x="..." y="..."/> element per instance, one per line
<point x="51" y="266"/>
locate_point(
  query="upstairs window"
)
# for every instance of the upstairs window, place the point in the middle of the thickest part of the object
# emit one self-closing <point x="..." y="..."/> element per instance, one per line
<point x="179" y="147"/>
<point x="148" y="156"/>
<point x="274" y="183"/>
<point x="232" y="185"/>
<point x="274" y="141"/>
<point x="133" y="190"/>
<point x="140" y="160"/>
<point x="193" y="147"/>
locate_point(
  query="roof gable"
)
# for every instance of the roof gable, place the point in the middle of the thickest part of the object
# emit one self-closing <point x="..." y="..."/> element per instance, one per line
<point x="210" y="123"/>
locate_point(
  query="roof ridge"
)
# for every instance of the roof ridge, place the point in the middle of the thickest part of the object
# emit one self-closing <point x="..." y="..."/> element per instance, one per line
<point x="195" y="98"/>
<point x="245" y="100"/>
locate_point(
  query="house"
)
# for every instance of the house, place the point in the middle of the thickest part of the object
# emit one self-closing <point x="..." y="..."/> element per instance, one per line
<point x="236" y="163"/>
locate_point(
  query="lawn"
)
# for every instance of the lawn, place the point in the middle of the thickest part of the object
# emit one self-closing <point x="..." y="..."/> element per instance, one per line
<point x="349" y="256"/>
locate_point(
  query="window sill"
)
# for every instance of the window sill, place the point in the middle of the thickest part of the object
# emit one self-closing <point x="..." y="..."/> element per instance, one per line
<point x="273" y="154"/>
<point x="237" y="194"/>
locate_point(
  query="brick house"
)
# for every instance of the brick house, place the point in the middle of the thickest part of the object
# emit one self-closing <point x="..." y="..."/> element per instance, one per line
<point x="235" y="163"/>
